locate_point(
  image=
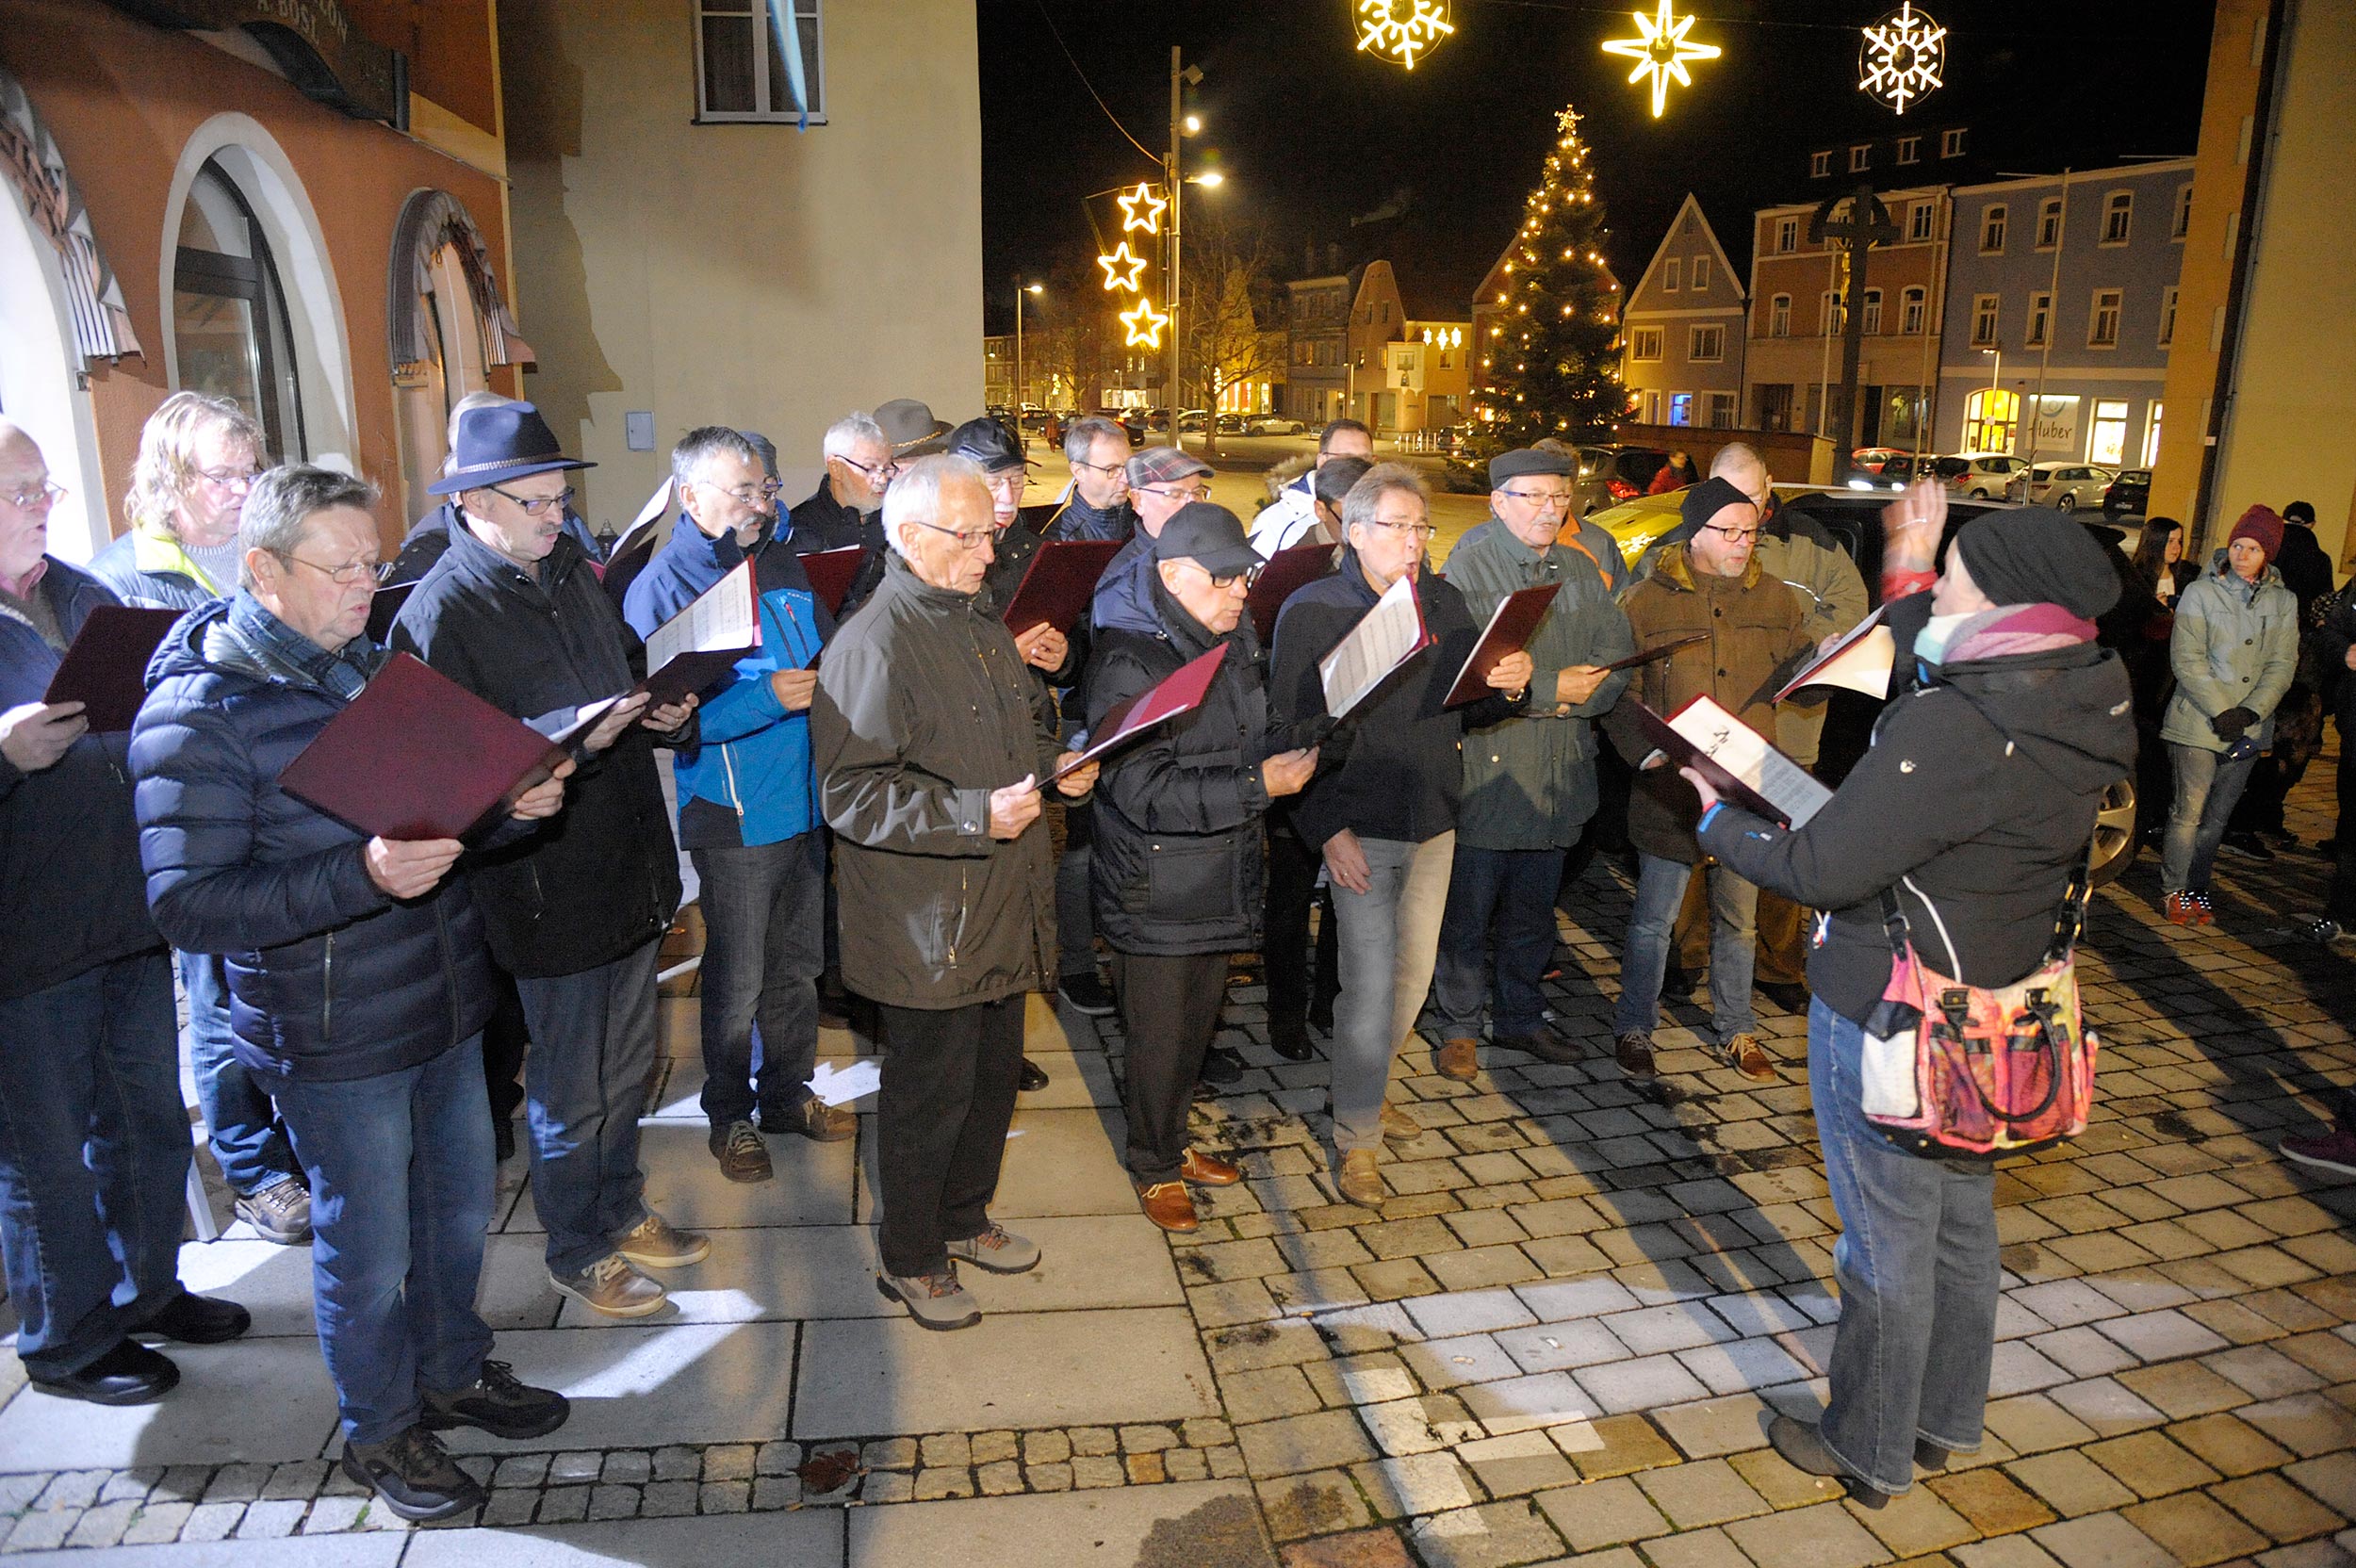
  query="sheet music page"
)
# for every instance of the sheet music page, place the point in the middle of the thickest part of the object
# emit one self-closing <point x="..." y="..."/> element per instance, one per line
<point x="1859" y="662"/>
<point x="722" y="617"/>
<point x="1378" y="643"/>
<point x="1744" y="753"/>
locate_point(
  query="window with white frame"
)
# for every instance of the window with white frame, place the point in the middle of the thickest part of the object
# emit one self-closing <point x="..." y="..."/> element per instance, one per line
<point x="1859" y="159"/>
<point x="1643" y="343"/>
<point x="1922" y="222"/>
<point x="2119" y="210"/>
<point x="1910" y="311"/>
<point x="2049" y="222"/>
<point x="1701" y="272"/>
<point x="1909" y="149"/>
<point x="1992" y="229"/>
<point x="1951" y="143"/>
<point x="1819" y="165"/>
<point x="741" y="72"/>
<point x="1787" y="235"/>
<point x="2103" y="327"/>
<point x="1680" y="408"/>
<point x="1873" y="312"/>
<point x="1828" y="318"/>
<point x="2041" y="319"/>
<point x="1983" y="321"/>
<point x="2152" y="436"/>
<point x="1707" y="344"/>
<point x="1721" y="409"/>
<point x="1670" y="271"/>
<point x="2181" y="224"/>
<point x="2109" y="446"/>
<point x="2168" y="316"/>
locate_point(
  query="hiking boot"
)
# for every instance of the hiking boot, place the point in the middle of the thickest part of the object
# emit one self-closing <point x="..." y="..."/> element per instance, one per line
<point x="742" y="1154"/>
<point x="612" y="1286"/>
<point x="415" y="1474"/>
<point x="1749" y="1058"/>
<point x="498" y="1402"/>
<point x="998" y="1249"/>
<point x="1398" y="1126"/>
<point x="1803" y="1446"/>
<point x="1170" y="1206"/>
<point x="193" y="1319"/>
<point x="1033" y="1076"/>
<point x="1359" y="1182"/>
<point x="1633" y="1052"/>
<point x="1458" y="1057"/>
<point x="1546" y="1044"/>
<point x="280" y="1212"/>
<point x="1221" y="1065"/>
<point x="935" y="1300"/>
<point x="1086" y="993"/>
<point x="1207" y="1170"/>
<point x="814" y="1120"/>
<point x="654" y="1242"/>
<point x="2335" y="1151"/>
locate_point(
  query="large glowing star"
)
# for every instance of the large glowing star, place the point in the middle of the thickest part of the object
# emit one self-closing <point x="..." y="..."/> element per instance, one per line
<point x="1398" y="30"/>
<point x="1145" y="325"/>
<point x="1660" y="50"/>
<point x="1142" y="210"/>
<point x="1902" y="56"/>
<point x="1119" y="263"/>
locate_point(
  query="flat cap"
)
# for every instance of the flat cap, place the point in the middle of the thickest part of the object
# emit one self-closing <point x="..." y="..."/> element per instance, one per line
<point x="1161" y="464"/>
<point x="1527" y="460"/>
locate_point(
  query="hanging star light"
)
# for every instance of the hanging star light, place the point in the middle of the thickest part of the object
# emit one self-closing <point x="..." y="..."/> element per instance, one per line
<point x="1145" y="325"/>
<point x="1398" y="30"/>
<point x="1115" y="264"/>
<point x="1142" y="208"/>
<point x="1660" y="50"/>
<point x="1902" y="56"/>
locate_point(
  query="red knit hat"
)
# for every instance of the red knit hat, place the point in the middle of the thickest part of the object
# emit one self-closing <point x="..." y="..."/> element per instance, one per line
<point x="2259" y="523"/>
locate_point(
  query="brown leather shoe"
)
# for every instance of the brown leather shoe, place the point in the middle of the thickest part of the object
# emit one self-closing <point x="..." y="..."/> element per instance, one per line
<point x="1398" y="1126"/>
<point x="1749" y="1058"/>
<point x="1359" y="1181"/>
<point x="742" y="1154"/>
<point x="1205" y="1171"/>
<point x="815" y="1119"/>
<point x="1633" y="1052"/>
<point x="1169" y="1205"/>
<point x="1457" y="1059"/>
<point x="1543" y="1043"/>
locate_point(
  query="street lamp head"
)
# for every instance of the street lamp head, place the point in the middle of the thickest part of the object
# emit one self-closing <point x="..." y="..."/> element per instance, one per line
<point x="1210" y="179"/>
<point x="1035" y="288"/>
<point x="1194" y="123"/>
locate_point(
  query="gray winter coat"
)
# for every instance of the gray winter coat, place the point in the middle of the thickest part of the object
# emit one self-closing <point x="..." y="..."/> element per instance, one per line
<point x="2235" y="645"/>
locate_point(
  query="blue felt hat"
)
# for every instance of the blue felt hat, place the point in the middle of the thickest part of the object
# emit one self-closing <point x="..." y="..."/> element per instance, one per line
<point x="498" y="444"/>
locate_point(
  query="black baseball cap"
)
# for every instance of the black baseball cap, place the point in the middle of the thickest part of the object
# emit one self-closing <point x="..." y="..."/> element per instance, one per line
<point x="988" y="443"/>
<point x="1209" y="535"/>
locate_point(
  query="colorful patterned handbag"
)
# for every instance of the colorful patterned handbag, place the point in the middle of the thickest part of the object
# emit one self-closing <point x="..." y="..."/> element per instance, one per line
<point x="1958" y="1071"/>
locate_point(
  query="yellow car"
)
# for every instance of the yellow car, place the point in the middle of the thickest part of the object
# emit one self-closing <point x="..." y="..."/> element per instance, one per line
<point x="1636" y="524"/>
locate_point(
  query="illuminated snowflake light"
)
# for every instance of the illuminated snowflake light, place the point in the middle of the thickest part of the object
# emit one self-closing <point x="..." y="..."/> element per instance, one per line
<point x="1398" y="30"/>
<point x="1145" y="325"/>
<point x="1121" y="260"/>
<point x="1902" y="56"/>
<point x="1660" y="50"/>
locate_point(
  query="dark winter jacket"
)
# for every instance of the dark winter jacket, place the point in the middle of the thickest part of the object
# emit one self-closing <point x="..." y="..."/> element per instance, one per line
<point x="923" y="708"/>
<point x="1756" y="626"/>
<point x="2306" y="568"/>
<point x="1125" y="595"/>
<point x="1177" y="865"/>
<point x="600" y="878"/>
<point x="823" y="523"/>
<point x="1076" y="519"/>
<point x="151" y="569"/>
<point x="1981" y="787"/>
<point x="2333" y="639"/>
<point x="1396" y="768"/>
<point x="329" y="978"/>
<point x="71" y="896"/>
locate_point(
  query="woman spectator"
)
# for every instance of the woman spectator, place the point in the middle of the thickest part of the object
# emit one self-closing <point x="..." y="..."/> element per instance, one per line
<point x="1676" y="474"/>
<point x="1974" y="805"/>
<point x="2139" y="628"/>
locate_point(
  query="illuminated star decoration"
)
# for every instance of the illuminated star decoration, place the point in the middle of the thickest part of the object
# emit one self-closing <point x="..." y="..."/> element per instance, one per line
<point x="1145" y="325"/>
<point x="1400" y="29"/>
<point x="1142" y="210"/>
<point x="1116" y="263"/>
<point x="1660" y="50"/>
<point x="1902" y="56"/>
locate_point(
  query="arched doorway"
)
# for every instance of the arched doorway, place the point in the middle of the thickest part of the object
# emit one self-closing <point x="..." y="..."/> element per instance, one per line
<point x="449" y="329"/>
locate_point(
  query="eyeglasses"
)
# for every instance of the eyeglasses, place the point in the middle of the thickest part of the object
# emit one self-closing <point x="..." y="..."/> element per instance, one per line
<point x="966" y="538"/>
<point x="534" y="505"/>
<point x="768" y="490"/>
<point x="1734" y="536"/>
<point x="1014" y="480"/>
<point x="344" y="576"/>
<point x="1249" y="576"/>
<point x="1193" y="493"/>
<point x="1546" y="499"/>
<point x="228" y="476"/>
<point x="879" y="472"/>
<point x="37" y="500"/>
<point x="1421" y="530"/>
<point x="1100" y="468"/>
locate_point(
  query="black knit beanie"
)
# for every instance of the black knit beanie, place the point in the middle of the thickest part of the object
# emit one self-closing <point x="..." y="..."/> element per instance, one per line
<point x="2034" y="555"/>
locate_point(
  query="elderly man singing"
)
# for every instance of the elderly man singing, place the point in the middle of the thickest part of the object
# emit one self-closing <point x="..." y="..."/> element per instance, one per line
<point x="931" y="740"/>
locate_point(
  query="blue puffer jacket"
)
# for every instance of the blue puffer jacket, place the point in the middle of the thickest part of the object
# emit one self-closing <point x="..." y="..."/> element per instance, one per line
<point x="754" y="758"/>
<point x="329" y="979"/>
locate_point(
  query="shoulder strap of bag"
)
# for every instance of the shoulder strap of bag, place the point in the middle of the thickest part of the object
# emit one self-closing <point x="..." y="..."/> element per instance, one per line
<point x="2068" y="922"/>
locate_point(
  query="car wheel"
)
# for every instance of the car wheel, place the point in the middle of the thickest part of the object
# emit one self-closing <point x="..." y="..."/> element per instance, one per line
<point x="1979" y="495"/>
<point x="2068" y="502"/>
<point x="2114" y="849"/>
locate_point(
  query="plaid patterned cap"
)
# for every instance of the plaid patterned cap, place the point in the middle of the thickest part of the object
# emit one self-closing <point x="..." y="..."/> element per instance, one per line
<point x="1163" y="465"/>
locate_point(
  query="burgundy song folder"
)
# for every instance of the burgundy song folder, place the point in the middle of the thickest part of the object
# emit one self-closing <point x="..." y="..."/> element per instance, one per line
<point x="106" y="669"/>
<point x="1057" y="586"/>
<point x="385" y="608"/>
<point x="1512" y="625"/>
<point x="417" y="755"/>
<point x="832" y="573"/>
<point x="1287" y="571"/>
<point x="1179" y="692"/>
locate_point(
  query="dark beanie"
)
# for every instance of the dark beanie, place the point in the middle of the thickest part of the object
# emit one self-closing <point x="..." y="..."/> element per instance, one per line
<point x="1710" y="497"/>
<point x="2259" y="523"/>
<point x="2034" y="555"/>
<point x="2299" y="511"/>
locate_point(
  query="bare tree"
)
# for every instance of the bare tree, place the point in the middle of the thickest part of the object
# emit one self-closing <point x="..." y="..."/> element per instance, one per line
<point x="1228" y="295"/>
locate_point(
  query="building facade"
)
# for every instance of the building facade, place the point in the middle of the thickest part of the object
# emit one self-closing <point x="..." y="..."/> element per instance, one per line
<point x="1427" y="378"/>
<point x="181" y="214"/>
<point x="1316" y="362"/>
<point x="1791" y="363"/>
<point x="1682" y="334"/>
<point x="2062" y="303"/>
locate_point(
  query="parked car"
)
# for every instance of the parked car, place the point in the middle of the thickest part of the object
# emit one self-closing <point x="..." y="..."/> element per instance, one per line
<point x="1130" y="420"/>
<point x="1611" y="474"/>
<point x="2128" y="496"/>
<point x="1980" y="475"/>
<point x="1193" y="420"/>
<point x="1231" y="424"/>
<point x="1869" y="459"/>
<point x="1273" y="424"/>
<point x="2063" y="486"/>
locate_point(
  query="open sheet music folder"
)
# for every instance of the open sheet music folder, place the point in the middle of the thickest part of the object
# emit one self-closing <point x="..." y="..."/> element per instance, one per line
<point x="1737" y="760"/>
<point x="1384" y="638"/>
<point x="702" y="643"/>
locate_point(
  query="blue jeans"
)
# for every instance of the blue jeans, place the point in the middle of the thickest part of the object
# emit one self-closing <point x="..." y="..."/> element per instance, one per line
<point x="1510" y="892"/>
<point x="592" y="1048"/>
<point x="401" y="1187"/>
<point x="248" y="1143"/>
<point x="2207" y="787"/>
<point x="1917" y="1267"/>
<point x="1733" y="927"/>
<point x="763" y="946"/>
<point x="93" y="1161"/>
<point x="1389" y="936"/>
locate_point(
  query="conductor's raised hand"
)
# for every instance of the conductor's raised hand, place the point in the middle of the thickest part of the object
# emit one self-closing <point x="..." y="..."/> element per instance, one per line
<point x="1079" y="781"/>
<point x="1513" y="672"/>
<point x="409" y="868"/>
<point x="616" y="719"/>
<point x="1013" y="808"/>
<point x="544" y="799"/>
<point x="1911" y="525"/>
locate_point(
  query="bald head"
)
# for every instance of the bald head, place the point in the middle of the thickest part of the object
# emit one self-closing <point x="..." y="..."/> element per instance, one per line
<point x="17" y="448"/>
<point x="25" y="503"/>
<point x="1740" y="466"/>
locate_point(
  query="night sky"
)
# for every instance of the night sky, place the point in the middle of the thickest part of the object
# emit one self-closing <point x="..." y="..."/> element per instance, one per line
<point x="1310" y="134"/>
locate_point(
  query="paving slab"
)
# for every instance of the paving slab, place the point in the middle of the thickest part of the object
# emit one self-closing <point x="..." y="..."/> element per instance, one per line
<point x="637" y="1386"/>
<point x="378" y="1549"/>
<point x="684" y="1182"/>
<point x="1058" y="1162"/>
<point x="1187" y="1525"/>
<point x="809" y="1538"/>
<point x="210" y="1419"/>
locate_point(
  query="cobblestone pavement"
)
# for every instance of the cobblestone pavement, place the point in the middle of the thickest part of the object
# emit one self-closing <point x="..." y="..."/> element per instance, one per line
<point x="1559" y="1339"/>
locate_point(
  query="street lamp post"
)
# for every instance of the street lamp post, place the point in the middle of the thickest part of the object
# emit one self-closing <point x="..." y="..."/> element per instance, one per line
<point x="1020" y="434"/>
<point x="1181" y="77"/>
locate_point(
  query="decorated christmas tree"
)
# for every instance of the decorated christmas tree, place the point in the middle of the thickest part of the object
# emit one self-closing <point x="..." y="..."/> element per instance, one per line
<point x="1550" y="362"/>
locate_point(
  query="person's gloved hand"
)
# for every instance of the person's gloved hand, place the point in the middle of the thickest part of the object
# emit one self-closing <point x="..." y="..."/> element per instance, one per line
<point x="2230" y="723"/>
